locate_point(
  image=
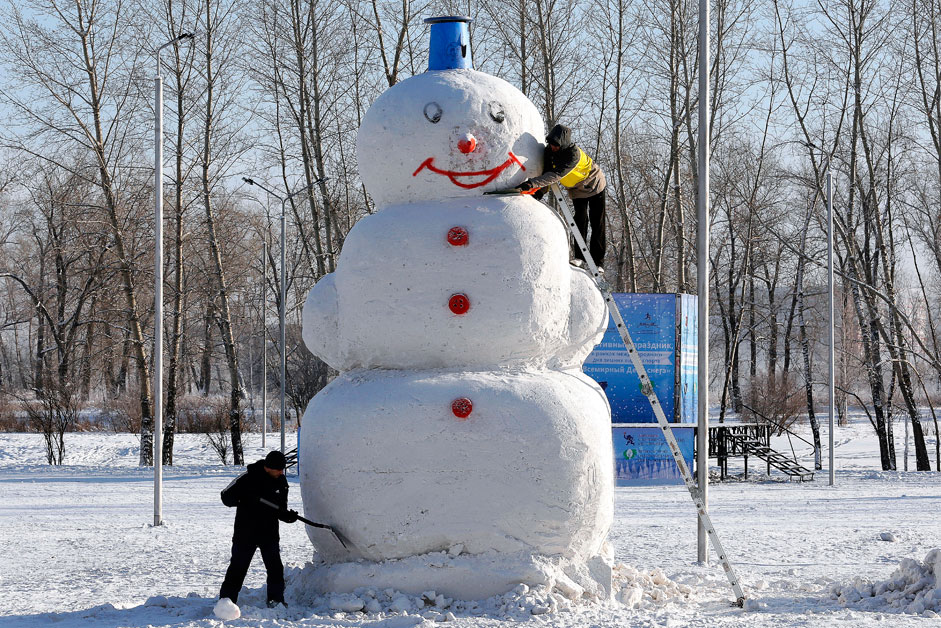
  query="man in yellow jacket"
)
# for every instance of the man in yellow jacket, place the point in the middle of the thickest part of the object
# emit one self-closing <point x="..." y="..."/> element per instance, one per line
<point x="567" y="164"/>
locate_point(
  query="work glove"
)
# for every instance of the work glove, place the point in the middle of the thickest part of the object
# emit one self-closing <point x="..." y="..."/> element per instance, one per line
<point x="538" y="194"/>
<point x="290" y="516"/>
<point x="525" y="186"/>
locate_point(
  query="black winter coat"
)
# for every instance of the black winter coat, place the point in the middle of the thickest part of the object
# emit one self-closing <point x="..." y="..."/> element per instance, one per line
<point x="557" y="163"/>
<point x="255" y="522"/>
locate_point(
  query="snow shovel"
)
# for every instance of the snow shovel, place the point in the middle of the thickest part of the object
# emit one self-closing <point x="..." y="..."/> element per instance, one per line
<point x="512" y="191"/>
<point x="342" y="539"/>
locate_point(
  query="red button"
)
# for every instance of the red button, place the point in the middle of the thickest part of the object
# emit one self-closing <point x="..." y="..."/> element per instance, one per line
<point x="457" y="236"/>
<point x="462" y="407"/>
<point x="459" y="303"/>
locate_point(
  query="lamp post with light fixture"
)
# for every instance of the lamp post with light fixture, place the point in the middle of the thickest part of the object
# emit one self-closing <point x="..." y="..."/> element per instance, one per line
<point x="284" y="200"/>
<point x="158" y="283"/>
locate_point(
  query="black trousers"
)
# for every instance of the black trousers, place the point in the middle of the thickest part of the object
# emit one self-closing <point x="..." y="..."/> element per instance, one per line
<point x="242" y="553"/>
<point x="591" y="210"/>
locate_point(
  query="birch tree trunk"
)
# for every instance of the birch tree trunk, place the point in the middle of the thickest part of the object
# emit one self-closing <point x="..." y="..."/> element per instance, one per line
<point x="180" y="80"/>
<point x="207" y="159"/>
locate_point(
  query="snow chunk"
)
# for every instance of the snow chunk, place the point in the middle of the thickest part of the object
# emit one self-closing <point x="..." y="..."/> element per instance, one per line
<point x="226" y="609"/>
<point x="630" y="596"/>
<point x="640" y="589"/>
<point x="914" y="587"/>
<point x="888" y="536"/>
<point x="401" y="604"/>
<point x="752" y="604"/>
<point x="346" y="603"/>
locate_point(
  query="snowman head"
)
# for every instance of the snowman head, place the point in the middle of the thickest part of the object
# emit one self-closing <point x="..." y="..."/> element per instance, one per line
<point x="447" y="133"/>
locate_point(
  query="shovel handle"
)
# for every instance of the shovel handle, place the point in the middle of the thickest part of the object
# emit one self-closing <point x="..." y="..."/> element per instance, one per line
<point x="312" y="524"/>
<point x="511" y="192"/>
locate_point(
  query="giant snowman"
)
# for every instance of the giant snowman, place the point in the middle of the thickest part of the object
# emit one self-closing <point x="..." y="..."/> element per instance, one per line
<point x="461" y="448"/>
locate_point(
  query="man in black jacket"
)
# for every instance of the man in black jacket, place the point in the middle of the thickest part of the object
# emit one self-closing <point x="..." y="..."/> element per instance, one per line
<point x="567" y="164"/>
<point x="256" y="524"/>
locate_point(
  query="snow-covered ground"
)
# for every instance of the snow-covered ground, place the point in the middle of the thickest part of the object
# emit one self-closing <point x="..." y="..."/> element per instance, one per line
<point x="77" y="548"/>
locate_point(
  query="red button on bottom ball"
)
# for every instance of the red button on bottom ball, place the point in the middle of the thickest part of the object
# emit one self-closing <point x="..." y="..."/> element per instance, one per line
<point x="462" y="407"/>
<point x="459" y="303"/>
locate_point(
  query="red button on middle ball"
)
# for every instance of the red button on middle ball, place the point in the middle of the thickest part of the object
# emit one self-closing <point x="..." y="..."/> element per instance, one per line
<point x="458" y="236"/>
<point x="459" y="303"/>
<point x="462" y="407"/>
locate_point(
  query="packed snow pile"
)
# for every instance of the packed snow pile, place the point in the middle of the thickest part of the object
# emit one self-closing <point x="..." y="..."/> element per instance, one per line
<point x="915" y="587"/>
<point x="647" y="589"/>
<point x="635" y="590"/>
<point x="520" y="602"/>
<point x="463" y="576"/>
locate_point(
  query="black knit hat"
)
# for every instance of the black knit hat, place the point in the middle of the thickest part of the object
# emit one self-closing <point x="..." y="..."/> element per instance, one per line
<point x="560" y="135"/>
<point x="275" y="460"/>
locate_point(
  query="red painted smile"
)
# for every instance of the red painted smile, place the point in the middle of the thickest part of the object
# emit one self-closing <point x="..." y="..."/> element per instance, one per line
<point x="489" y="175"/>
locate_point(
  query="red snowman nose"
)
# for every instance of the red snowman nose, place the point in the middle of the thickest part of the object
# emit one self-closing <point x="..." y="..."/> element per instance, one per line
<point x="467" y="143"/>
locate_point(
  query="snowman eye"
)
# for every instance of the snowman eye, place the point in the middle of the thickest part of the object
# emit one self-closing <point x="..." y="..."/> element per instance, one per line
<point x="433" y="112"/>
<point x="495" y="110"/>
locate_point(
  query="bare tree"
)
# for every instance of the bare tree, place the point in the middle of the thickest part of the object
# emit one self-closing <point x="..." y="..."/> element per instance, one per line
<point x="61" y="296"/>
<point x="177" y="17"/>
<point x="76" y="91"/>
<point x="219" y="28"/>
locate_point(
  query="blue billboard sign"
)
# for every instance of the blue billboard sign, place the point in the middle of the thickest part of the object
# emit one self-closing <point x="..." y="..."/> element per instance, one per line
<point x="642" y="456"/>
<point x="663" y="328"/>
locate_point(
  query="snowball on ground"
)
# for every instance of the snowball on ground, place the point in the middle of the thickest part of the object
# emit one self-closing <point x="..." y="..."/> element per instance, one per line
<point x="226" y="609"/>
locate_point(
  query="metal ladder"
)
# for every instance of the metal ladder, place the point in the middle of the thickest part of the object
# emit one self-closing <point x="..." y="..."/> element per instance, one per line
<point x="647" y="388"/>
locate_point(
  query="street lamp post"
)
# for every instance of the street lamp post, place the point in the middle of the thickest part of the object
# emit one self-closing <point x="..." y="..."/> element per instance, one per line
<point x="284" y="200"/>
<point x="158" y="284"/>
<point x="702" y="263"/>
<point x="264" y="343"/>
<point x="830" y="378"/>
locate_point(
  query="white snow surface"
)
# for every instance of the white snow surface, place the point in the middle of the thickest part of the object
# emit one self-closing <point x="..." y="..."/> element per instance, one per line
<point x="386" y="306"/>
<point x="77" y="548"/>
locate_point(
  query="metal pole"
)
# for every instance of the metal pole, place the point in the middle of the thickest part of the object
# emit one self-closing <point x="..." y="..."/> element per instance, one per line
<point x="158" y="295"/>
<point x="702" y="262"/>
<point x="264" y="344"/>
<point x="158" y="284"/>
<point x="830" y="382"/>
<point x="284" y="201"/>
<point x="283" y="308"/>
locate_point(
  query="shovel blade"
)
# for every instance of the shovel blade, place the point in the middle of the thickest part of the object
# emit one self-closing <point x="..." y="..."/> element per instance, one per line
<point x="344" y="541"/>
